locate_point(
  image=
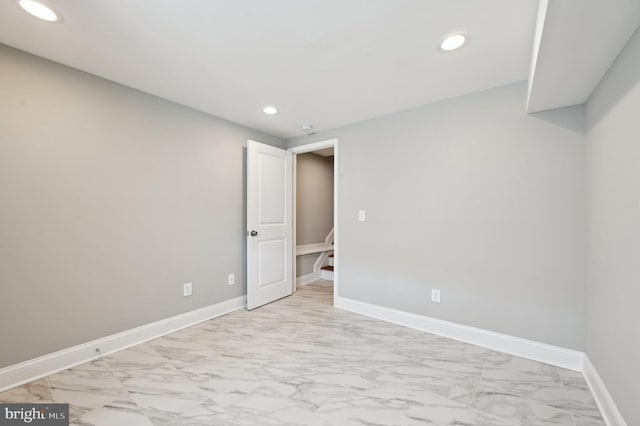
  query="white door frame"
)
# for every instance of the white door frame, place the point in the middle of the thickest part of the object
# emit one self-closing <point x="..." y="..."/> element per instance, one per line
<point x="310" y="148"/>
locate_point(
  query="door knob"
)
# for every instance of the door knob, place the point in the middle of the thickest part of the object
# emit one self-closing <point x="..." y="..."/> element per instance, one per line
<point x="254" y="233"/>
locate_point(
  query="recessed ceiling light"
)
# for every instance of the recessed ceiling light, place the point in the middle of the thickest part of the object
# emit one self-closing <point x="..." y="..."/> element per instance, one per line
<point x="453" y="42"/>
<point x="39" y="10"/>
<point x="270" y="110"/>
<point x="306" y="127"/>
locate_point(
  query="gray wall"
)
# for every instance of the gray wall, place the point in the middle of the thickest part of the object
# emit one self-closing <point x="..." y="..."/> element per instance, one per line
<point x="476" y="198"/>
<point x="613" y="289"/>
<point x="314" y="205"/>
<point x="111" y="199"/>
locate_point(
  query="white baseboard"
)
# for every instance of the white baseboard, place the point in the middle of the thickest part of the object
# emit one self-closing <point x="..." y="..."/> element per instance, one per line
<point x="607" y="406"/>
<point x="27" y="371"/>
<point x="306" y="279"/>
<point x="326" y="275"/>
<point x="542" y="352"/>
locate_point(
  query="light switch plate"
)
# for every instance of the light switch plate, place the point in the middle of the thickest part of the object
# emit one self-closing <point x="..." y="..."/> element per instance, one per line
<point x="362" y="215"/>
<point x="231" y="279"/>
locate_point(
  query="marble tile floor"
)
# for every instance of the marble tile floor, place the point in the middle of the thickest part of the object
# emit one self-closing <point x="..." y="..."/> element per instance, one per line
<point x="299" y="361"/>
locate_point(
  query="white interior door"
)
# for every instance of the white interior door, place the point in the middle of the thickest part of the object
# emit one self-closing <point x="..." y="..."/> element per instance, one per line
<point x="269" y="224"/>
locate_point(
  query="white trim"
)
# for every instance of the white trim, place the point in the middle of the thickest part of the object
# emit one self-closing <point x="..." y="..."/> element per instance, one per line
<point x="27" y="371"/>
<point x="336" y="221"/>
<point x="309" y="278"/>
<point x="606" y="404"/>
<point x="327" y="275"/>
<point x="294" y="219"/>
<point x="542" y="352"/>
<point x="320" y="261"/>
<point x="310" y="147"/>
<point x="329" y="238"/>
<point x="303" y="249"/>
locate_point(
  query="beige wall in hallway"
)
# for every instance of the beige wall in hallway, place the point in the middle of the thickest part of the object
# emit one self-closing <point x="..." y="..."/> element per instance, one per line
<point x="314" y="204"/>
<point x="314" y="198"/>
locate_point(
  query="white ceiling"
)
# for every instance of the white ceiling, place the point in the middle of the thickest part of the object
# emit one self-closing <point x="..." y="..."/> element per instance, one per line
<point x="576" y="43"/>
<point x="323" y="62"/>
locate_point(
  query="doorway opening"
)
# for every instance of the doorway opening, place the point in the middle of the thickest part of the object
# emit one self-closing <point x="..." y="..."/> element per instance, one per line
<point x="315" y="206"/>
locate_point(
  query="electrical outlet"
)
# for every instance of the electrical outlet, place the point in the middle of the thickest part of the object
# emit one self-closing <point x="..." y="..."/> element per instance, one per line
<point x="435" y="295"/>
<point x="362" y="215"/>
<point x="231" y="279"/>
<point x="187" y="289"/>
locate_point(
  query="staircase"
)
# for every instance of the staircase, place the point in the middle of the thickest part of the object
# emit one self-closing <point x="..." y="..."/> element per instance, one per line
<point x="323" y="268"/>
<point x="327" y="271"/>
